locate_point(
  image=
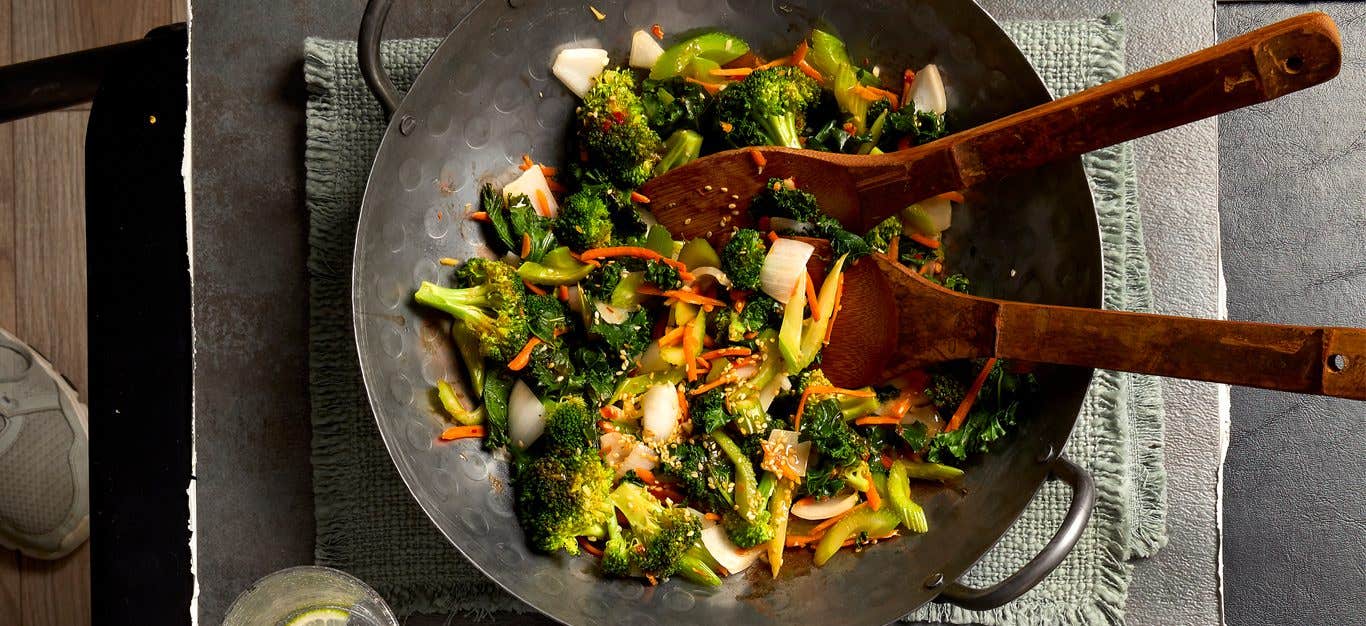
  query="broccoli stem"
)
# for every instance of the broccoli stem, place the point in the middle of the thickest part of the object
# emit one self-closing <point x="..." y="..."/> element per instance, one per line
<point x="899" y="493"/>
<point x="681" y="148"/>
<point x="861" y="521"/>
<point x="468" y="346"/>
<point x="748" y="500"/>
<point x="693" y="566"/>
<point x="783" y="130"/>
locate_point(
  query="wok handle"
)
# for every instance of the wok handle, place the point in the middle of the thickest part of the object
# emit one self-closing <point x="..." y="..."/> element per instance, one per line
<point x="1047" y="560"/>
<point x="367" y="49"/>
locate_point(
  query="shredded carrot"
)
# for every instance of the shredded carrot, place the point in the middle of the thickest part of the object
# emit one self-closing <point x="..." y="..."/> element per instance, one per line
<point x="549" y="170"/>
<point x="877" y="420"/>
<point x="636" y="196"/>
<point x="850" y="128"/>
<point x="648" y="290"/>
<point x="724" y="379"/>
<point x="689" y="352"/>
<point x="708" y="342"/>
<point x="894" y="248"/>
<point x="563" y="293"/>
<point x="692" y="298"/>
<point x="820" y="528"/>
<point x="438" y="216"/>
<point x="874" y="498"/>
<point x="810" y="71"/>
<point x="886" y="460"/>
<point x="953" y="196"/>
<point x="751" y="334"/>
<point x="536" y="289"/>
<point x="703" y="365"/>
<point x="841" y="391"/>
<point x="907" y="77"/>
<point x="732" y="72"/>
<point x="932" y="244"/>
<point x="799" y="55"/>
<point x="811" y="298"/>
<point x="663" y="492"/>
<point x="876" y="93"/>
<point x="653" y="581"/>
<point x="526" y="245"/>
<point x="672" y="337"/>
<point x="589" y="547"/>
<point x="723" y="352"/>
<point x="727" y="127"/>
<point x="524" y="357"/>
<point x="798" y="541"/>
<point x="646" y="476"/>
<point x="542" y="205"/>
<point x="966" y="406"/>
<point x="616" y="251"/>
<point x="683" y="405"/>
<point x="480" y="216"/>
<point x="759" y="159"/>
<point x="834" y="310"/>
<point x="772" y="236"/>
<point x="711" y="516"/>
<point x="904" y="143"/>
<point x="462" y="432"/>
<point x="775" y="63"/>
<point x="657" y="31"/>
<point x="448" y="261"/>
<point x="610" y="412"/>
<point x="801" y="408"/>
<point x="555" y="186"/>
<point x="710" y="88"/>
<point x="527" y="163"/>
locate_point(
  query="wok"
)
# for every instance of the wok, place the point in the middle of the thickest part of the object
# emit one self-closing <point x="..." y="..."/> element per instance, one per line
<point x="486" y="96"/>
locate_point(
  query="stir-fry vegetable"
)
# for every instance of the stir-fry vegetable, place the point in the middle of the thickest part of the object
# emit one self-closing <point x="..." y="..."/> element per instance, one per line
<point x="663" y="401"/>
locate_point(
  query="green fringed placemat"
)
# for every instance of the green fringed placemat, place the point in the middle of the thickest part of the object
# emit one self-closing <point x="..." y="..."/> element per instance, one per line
<point x="369" y="525"/>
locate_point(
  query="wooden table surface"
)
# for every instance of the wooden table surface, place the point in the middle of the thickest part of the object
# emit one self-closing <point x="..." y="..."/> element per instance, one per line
<point x="42" y="249"/>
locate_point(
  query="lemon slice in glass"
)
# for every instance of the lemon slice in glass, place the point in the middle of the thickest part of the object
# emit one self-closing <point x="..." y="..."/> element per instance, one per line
<point x="326" y="616"/>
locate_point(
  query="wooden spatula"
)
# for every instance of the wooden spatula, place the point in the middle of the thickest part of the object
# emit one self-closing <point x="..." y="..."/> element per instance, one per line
<point x="711" y="195"/>
<point x="903" y="321"/>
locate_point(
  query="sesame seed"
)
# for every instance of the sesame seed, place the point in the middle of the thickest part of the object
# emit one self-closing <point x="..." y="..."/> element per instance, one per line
<point x="734" y="197"/>
<point x="730" y="206"/>
<point x="687" y="221"/>
<point x="707" y="188"/>
<point x="724" y="190"/>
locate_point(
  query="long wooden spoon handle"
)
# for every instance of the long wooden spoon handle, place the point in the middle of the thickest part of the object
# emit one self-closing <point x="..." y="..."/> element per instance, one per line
<point x="1261" y="65"/>
<point x="1324" y="361"/>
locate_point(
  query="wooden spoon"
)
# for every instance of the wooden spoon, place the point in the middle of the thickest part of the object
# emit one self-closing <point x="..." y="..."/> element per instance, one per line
<point x="903" y="321"/>
<point x="710" y="196"/>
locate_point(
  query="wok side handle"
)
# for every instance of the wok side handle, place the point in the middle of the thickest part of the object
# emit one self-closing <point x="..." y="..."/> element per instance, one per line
<point x="1047" y="560"/>
<point x="367" y="49"/>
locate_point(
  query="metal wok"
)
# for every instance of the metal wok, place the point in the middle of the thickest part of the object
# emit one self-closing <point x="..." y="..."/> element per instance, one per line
<point x="486" y="96"/>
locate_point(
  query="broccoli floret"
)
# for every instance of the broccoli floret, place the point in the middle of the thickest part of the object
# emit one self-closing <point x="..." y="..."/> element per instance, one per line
<point x="946" y="391"/>
<point x="616" y="552"/>
<point x="569" y="426"/>
<point x="748" y="521"/>
<point x="614" y="130"/>
<point x="681" y="148"/>
<point x="662" y="275"/>
<point x="743" y="258"/>
<point x="708" y="411"/>
<point x="703" y="473"/>
<point x="596" y="374"/>
<point x="584" y="221"/>
<point x="563" y="496"/>
<point x="546" y="317"/>
<point x="489" y="306"/>
<point x="664" y="535"/>
<point x="627" y="339"/>
<point x="673" y="104"/>
<point x="882" y="235"/>
<point x="767" y="108"/>
<point x="600" y="283"/>
<point x="778" y="199"/>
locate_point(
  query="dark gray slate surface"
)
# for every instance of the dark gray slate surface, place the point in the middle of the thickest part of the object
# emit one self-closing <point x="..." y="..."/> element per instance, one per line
<point x="253" y="489"/>
<point x="1292" y="175"/>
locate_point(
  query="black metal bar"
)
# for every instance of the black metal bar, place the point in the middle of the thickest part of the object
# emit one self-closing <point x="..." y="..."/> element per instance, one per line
<point x="1047" y="560"/>
<point x="53" y="83"/>
<point x="367" y="48"/>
